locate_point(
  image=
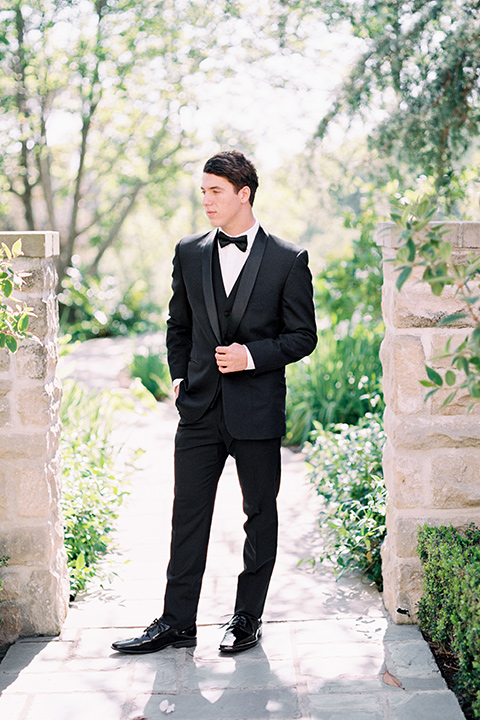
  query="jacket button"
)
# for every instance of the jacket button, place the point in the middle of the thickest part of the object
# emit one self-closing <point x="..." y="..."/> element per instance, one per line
<point x="227" y="313"/>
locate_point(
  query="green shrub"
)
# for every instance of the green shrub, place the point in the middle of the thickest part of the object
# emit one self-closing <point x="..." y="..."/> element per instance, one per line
<point x="449" y="611"/>
<point x="93" y="486"/>
<point x="346" y="470"/>
<point x="150" y="366"/>
<point x="101" y="307"/>
<point x="338" y="383"/>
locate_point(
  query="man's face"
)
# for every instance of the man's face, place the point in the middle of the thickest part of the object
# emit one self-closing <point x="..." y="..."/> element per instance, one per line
<point x="221" y="201"/>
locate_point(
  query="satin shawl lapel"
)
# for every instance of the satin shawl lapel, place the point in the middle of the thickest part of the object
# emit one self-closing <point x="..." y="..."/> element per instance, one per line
<point x="247" y="281"/>
<point x="207" y="280"/>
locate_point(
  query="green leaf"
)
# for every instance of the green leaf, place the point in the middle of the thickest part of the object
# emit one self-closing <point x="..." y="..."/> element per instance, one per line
<point x="411" y="250"/>
<point x="403" y="277"/>
<point x="23" y="322"/>
<point x="451" y="318"/>
<point x="445" y="250"/>
<point x="423" y="207"/>
<point x="7" y="287"/>
<point x="11" y="343"/>
<point x="450" y="378"/>
<point x="402" y="255"/>
<point x="6" y="250"/>
<point x="437" y="287"/>
<point x="434" y="376"/>
<point x="396" y="217"/>
<point x="80" y="562"/>
<point x="448" y="399"/>
<point x="17" y="248"/>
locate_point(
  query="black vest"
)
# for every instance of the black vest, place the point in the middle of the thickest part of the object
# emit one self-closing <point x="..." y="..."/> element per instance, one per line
<point x="224" y="304"/>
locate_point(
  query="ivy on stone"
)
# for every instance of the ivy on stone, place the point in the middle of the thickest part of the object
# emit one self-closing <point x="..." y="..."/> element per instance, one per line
<point x="423" y="245"/>
<point x="14" y="315"/>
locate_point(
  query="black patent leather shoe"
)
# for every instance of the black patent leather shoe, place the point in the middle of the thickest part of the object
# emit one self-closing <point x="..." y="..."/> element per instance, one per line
<point x="243" y="632"/>
<point x="157" y="636"/>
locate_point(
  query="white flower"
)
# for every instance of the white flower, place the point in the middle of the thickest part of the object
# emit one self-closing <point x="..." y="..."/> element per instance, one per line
<point x="166" y="707"/>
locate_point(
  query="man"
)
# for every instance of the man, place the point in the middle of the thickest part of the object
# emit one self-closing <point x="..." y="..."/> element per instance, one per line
<point x="241" y="310"/>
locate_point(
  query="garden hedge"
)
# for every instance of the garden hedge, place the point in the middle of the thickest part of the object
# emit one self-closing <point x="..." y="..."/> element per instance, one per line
<point x="449" y="611"/>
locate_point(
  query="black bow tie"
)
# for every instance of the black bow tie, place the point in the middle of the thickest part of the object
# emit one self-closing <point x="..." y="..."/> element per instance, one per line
<point x="240" y="241"/>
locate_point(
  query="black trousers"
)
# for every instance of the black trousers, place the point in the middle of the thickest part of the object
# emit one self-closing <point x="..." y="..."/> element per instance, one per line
<point x="201" y="450"/>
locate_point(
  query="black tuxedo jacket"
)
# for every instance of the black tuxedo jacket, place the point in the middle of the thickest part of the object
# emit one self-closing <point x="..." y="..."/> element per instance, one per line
<point x="273" y="315"/>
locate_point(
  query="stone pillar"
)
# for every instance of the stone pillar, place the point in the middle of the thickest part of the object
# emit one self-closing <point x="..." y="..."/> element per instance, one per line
<point x="432" y="454"/>
<point x="35" y="589"/>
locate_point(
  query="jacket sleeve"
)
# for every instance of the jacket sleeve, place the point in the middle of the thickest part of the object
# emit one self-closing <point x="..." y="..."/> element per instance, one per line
<point x="179" y="323"/>
<point x="298" y="336"/>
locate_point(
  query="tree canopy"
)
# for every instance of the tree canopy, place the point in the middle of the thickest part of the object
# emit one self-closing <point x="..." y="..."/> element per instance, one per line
<point x="417" y="80"/>
<point x="97" y="96"/>
<point x="94" y="97"/>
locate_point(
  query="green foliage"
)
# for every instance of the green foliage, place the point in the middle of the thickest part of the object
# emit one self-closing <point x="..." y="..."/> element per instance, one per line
<point x="350" y="286"/>
<point x="14" y="319"/>
<point x="423" y="244"/>
<point x="449" y="611"/>
<point x="93" y="485"/>
<point x="338" y="383"/>
<point x="346" y="470"/>
<point x="151" y="367"/>
<point x="100" y="307"/>
<point x="341" y="380"/>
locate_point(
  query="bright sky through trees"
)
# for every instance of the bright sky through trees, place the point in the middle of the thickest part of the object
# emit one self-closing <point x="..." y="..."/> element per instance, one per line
<point x="277" y="100"/>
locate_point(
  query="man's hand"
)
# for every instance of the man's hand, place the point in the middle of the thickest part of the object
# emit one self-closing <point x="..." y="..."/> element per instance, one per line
<point x="231" y="358"/>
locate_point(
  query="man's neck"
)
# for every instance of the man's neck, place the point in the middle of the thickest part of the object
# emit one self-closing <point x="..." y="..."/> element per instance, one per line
<point x="240" y="226"/>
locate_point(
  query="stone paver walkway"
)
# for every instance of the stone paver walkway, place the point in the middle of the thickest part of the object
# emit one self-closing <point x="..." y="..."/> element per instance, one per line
<point x="326" y="643"/>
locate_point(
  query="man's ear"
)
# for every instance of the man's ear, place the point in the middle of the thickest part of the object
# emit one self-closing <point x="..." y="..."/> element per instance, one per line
<point x="244" y="194"/>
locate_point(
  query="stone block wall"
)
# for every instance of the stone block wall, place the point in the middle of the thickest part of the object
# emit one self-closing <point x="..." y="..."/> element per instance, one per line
<point x="432" y="454"/>
<point x="35" y="582"/>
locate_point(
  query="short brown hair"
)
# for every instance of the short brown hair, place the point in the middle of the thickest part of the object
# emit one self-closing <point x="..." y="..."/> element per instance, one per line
<point x="234" y="166"/>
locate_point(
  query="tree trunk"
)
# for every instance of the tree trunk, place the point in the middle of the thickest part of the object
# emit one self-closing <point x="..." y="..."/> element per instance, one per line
<point x="45" y="175"/>
<point x="67" y="251"/>
<point x="21" y="97"/>
<point x="113" y="234"/>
